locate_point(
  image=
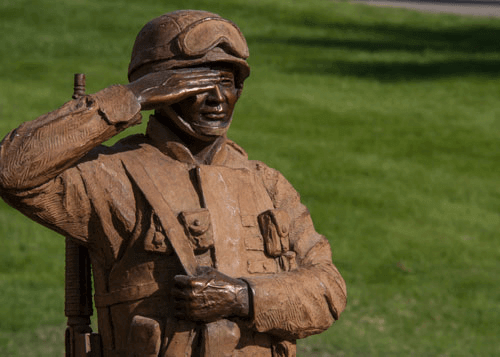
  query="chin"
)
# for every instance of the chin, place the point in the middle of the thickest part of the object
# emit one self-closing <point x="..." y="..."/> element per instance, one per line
<point x="210" y="127"/>
<point x="210" y="132"/>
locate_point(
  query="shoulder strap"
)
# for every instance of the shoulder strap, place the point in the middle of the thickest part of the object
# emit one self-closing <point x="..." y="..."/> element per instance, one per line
<point x="174" y="230"/>
<point x="214" y="332"/>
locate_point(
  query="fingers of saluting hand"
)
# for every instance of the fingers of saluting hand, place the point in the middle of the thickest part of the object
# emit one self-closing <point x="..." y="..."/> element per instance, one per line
<point x="173" y="94"/>
<point x="172" y="85"/>
<point x="176" y="77"/>
<point x="193" y="74"/>
<point x="177" y="82"/>
<point x="175" y="91"/>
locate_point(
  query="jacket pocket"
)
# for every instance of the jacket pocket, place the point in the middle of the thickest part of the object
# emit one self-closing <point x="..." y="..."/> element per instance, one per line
<point x="274" y="226"/>
<point x="144" y="337"/>
<point x="198" y="227"/>
<point x="156" y="240"/>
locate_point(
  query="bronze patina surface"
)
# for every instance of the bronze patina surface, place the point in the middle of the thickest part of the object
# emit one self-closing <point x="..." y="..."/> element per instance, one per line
<point x="195" y="250"/>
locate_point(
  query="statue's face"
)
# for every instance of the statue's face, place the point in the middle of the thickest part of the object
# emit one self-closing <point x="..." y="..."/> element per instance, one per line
<point x="208" y="114"/>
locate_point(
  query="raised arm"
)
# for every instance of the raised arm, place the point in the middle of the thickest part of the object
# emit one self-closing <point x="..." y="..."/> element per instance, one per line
<point x="39" y="150"/>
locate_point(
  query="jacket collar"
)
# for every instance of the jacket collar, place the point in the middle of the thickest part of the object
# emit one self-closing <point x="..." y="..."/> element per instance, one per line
<point x="171" y="145"/>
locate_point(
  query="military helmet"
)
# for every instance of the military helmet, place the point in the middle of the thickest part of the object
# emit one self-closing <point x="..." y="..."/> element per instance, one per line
<point x="188" y="38"/>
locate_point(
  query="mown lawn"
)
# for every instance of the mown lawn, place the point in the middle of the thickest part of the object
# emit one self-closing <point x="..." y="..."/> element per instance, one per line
<point x="387" y="121"/>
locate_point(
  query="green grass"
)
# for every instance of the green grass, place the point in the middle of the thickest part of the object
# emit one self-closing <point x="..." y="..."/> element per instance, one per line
<point x="386" y="121"/>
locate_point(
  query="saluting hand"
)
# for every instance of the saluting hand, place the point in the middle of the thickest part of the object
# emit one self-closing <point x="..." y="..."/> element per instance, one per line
<point x="171" y="86"/>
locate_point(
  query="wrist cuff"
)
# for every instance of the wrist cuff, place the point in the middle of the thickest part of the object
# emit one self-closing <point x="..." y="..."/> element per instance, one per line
<point x="117" y="104"/>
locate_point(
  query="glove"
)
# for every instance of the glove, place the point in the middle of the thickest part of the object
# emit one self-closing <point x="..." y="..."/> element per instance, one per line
<point x="210" y="296"/>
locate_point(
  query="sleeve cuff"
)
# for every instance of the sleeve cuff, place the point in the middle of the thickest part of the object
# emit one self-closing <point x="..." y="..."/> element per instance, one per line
<point x="268" y="299"/>
<point x="117" y="104"/>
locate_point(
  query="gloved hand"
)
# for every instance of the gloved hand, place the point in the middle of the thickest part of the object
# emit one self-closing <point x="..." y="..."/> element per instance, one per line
<point x="158" y="89"/>
<point x="210" y="296"/>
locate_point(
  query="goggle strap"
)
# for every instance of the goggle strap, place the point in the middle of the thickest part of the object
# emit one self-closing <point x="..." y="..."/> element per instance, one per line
<point x="206" y="34"/>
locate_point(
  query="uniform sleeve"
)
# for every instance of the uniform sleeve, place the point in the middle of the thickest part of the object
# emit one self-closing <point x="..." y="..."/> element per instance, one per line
<point x="39" y="175"/>
<point x="39" y="150"/>
<point x="305" y="300"/>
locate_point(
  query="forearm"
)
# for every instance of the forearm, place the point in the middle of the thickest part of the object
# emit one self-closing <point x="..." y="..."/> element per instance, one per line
<point x="301" y="302"/>
<point x="39" y="150"/>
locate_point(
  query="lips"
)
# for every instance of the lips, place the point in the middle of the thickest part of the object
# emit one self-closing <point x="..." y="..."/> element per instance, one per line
<point x="212" y="120"/>
<point x="213" y="112"/>
<point x="214" y="116"/>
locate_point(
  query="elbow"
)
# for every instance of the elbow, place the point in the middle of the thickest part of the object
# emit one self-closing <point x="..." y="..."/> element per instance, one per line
<point x="8" y="180"/>
<point x="18" y="171"/>
<point x="10" y="167"/>
<point x="13" y="175"/>
<point x="336" y="294"/>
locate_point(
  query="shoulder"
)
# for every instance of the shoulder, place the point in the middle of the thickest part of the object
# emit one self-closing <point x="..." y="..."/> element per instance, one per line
<point x="135" y="144"/>
<point x="278" y="187"/>
<point x="236" y="149"/>
<point x="268" y="174"/>
<point x="235" y="155"/>
<point x="106" y="162"/>
<point x="238" y="157"/>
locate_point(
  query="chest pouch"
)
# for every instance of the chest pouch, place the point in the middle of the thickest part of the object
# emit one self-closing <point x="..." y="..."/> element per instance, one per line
<point x="156" y="240"/>
<point x="274" y="226"/>
<point x="198" y="227"/>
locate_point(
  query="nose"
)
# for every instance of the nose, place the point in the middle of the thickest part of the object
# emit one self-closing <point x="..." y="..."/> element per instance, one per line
<point x="215" y="95"/>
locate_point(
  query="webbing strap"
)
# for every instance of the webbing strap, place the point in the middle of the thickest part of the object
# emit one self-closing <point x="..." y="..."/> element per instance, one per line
<point x="130" y="293"/>
<point x="174" y="230"/>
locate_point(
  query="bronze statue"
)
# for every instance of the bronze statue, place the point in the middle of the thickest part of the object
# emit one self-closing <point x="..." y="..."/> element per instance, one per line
<point x="195" y="250"/>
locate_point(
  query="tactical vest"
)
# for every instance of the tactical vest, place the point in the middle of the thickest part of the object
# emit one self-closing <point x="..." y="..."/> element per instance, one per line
<point x="231" y="224"/>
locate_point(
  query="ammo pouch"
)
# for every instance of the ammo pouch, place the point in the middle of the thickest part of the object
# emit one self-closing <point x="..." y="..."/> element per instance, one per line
<point x="144" y="337"/>
<point x="275" y="226"/>
<point x="198" y="227"/>
<point x="219" y="338"/>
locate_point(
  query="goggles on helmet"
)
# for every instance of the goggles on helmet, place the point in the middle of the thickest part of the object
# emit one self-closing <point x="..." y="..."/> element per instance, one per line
<point x="206" y="34"/>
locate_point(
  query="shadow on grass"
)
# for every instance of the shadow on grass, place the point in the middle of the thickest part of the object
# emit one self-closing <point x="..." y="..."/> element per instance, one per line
<point x="408" y="52"/>
<point x="454" y="2"/>
<point x="396" y="71"/>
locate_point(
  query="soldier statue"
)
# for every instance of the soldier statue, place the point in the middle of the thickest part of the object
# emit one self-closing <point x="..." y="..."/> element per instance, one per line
<point x="195" y="249"/>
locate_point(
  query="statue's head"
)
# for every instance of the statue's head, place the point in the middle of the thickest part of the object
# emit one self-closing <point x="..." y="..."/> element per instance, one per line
<point x="191" y="39"/>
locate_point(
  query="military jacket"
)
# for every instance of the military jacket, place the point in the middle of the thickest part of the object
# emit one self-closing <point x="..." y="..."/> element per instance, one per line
<point x="237" y="215"/>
